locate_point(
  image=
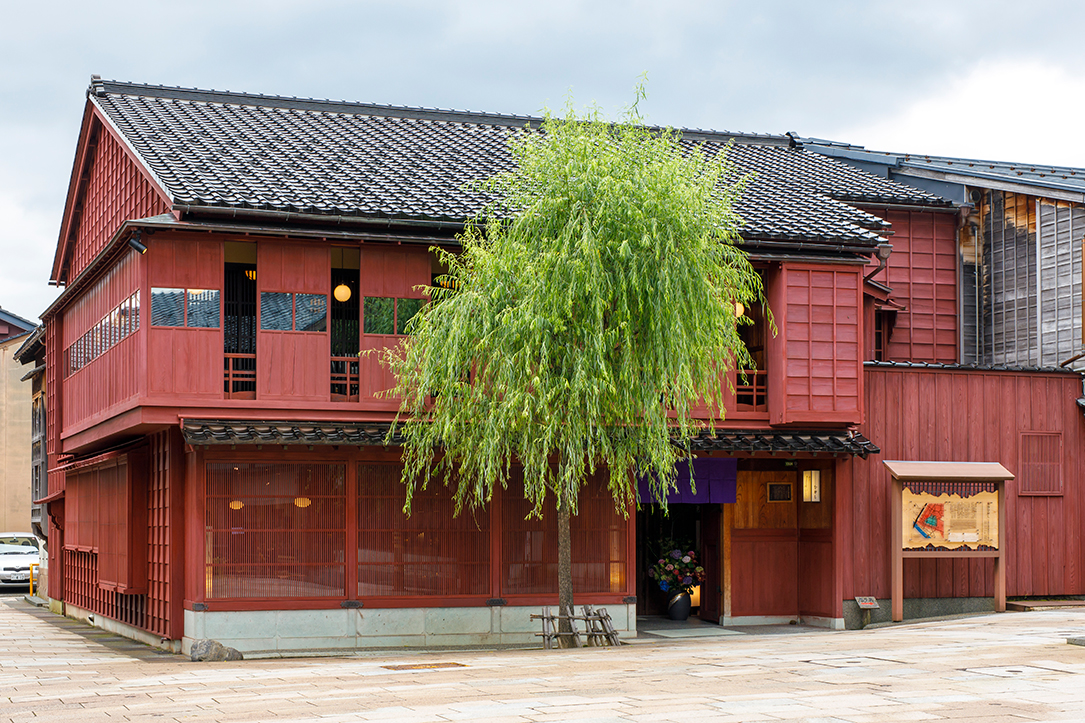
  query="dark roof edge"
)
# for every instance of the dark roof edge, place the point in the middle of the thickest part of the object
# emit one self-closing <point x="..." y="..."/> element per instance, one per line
<point x="25" y="324"/>
<point x="99" y="87"/>
<point x="968" y="367"/>
<point x="30" y="345"/>
<point x="169" y="222"/>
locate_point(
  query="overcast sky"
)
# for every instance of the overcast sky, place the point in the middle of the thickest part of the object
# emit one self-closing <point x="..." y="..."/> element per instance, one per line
<point x="993" y="80"/>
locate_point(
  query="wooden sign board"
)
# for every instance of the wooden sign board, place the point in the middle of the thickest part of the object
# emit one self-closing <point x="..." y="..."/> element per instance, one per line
<point x="780" y="492"/>
<point x="946" y="510"/>
<point x="867" y="603"/>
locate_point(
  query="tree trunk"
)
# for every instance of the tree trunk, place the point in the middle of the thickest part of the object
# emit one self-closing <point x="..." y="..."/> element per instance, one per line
<point x="565" y="574"/>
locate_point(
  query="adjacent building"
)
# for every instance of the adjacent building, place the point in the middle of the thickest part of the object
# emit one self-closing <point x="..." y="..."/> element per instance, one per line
<point x="15" y="426"/>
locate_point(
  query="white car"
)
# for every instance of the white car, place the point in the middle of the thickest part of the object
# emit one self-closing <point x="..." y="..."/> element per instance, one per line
<point x="18" y="551"/>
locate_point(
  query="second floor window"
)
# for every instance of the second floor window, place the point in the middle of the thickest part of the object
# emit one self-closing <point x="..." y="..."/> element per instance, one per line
<point x="194" y="308"/>
<point x="388" y="316"/>
<point x="293" y="312"/>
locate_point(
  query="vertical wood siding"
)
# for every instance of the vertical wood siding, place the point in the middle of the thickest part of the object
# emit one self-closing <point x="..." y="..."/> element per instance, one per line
<point x="164" y="534"/>
<point x="976" y="416"/>
<point x="184" y="362"/>
<point x="108" y="374"/>
<point x="116" y="191"/>
<point x="391" y="272"/>
<point x="291" y="364"/>
<point x="1062" y="228"/>
<point x="922" y="271"/>
<point x="820" y="324"/>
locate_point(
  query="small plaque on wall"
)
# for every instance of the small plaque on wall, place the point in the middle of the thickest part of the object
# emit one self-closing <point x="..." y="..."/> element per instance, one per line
<point x="779" y="492"/>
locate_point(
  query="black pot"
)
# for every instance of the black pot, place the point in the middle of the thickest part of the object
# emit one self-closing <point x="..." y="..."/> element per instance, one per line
<point x="679" y="605"/>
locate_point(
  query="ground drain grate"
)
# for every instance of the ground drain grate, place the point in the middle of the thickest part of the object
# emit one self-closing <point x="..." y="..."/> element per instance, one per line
<point x="424" y="666"/>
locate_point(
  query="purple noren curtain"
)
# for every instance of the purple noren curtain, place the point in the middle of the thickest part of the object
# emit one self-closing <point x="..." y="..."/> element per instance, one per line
<point x="715" y="479"/>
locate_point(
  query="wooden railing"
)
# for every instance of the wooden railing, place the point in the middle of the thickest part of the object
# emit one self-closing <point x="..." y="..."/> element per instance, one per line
<point x="751" y="391"/>
<point x="239" y="376"/>
<point x="344" y="379"/>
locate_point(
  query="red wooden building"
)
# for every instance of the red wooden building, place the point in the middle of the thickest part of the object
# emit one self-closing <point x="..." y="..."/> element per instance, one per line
<point x="217" y="465"/>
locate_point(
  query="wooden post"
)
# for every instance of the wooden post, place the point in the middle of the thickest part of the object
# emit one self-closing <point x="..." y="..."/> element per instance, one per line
<point x="727" y="521"/>
<point x="1000" y="561"/>
<point x="896" y="545"/>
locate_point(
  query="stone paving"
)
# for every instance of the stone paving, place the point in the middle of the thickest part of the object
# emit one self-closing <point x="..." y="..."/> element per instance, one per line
<point x="992" y="668"/>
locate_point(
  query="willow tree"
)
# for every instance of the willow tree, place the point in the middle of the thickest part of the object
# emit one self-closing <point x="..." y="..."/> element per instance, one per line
<point x="591" y="312"/>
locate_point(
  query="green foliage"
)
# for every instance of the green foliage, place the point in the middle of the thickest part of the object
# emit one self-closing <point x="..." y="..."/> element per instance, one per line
<point x="587" y="316"/>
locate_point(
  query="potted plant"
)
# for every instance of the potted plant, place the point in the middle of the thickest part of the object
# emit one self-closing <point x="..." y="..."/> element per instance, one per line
<point x="677" y="573"/>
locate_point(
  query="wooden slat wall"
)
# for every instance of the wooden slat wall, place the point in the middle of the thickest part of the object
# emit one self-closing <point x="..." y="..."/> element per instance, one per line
<point x="184" y="363"/>
<point x="978" y="416"/>
<point x="165" y="534"/>
<point x="290" y="364"/>
<point x="390" y="271"/>
<point x="922" y="271"/>
<point x="113" y="377"/>
<point x="116" y="191"/>
<point x="818" y="311"/>
<point x="393" y="271"/>
<point x="1062" y="226"/>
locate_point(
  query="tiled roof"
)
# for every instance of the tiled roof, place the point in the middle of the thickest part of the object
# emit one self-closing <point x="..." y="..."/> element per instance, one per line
<point x="848" y="442"/>
<point x="233" y="432"/>
<point x="976" y="172"/>
<point x="971" y="367"/>
<point x="248" y="154"/>
<point x="224" y="431"/>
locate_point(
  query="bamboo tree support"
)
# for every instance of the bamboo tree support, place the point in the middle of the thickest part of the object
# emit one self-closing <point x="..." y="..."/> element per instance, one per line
<point x="598" y="628"/>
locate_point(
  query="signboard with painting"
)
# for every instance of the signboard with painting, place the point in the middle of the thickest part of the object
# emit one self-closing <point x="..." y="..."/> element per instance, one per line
<point x="947" y="509"/>
<point x="950" y="521"/>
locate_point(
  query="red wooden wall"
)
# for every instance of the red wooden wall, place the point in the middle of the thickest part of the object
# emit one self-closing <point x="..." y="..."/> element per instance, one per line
<point x="922" y="271"/>
<point x="184" y="363"/>
<point x="815" y="367"/>
<point x="96" y="390"/>
<point x="293" y="365"/>
<point x="112" y="190"/>
<point x="391" y="273"/>
<point x="973" y="416"/>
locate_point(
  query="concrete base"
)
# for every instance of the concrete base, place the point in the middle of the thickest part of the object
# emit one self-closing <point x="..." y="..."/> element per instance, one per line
<point x="115" y="627"/>
<point x="915" y="609"/>
<point x="284" y="632"/>
<point x="823" y="622"/>
<point x="730" y="620"/>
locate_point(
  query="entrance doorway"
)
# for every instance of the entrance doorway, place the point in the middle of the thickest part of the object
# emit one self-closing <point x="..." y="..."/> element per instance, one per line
<point x="691" y="527"/>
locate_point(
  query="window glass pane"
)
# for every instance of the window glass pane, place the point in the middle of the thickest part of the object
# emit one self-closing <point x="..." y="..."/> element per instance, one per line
<point x="203" y="308"/>
<point x="379" y="315"/>
<point x="167" y="307"/>
<point x="312" y="312"/>
<point x="407" y="309"/>
<point x="276" y="311"/>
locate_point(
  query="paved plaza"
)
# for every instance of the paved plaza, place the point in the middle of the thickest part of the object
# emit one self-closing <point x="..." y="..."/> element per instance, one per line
<point x="991" y="668"/>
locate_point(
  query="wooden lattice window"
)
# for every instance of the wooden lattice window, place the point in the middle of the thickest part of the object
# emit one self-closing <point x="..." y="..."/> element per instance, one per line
<point x="1040" y="465"/>
<point x="275" y="530"/>
<point x="529" y="545"/>
<point x="433" y="552"/>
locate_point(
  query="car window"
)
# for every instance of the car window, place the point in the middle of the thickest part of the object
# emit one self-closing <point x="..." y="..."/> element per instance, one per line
<point x="17" y="550"/>
<point x="19" y="540"/>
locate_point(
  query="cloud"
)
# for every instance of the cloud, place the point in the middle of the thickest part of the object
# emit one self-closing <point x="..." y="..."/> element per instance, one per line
<point x="1020" y="111"/>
